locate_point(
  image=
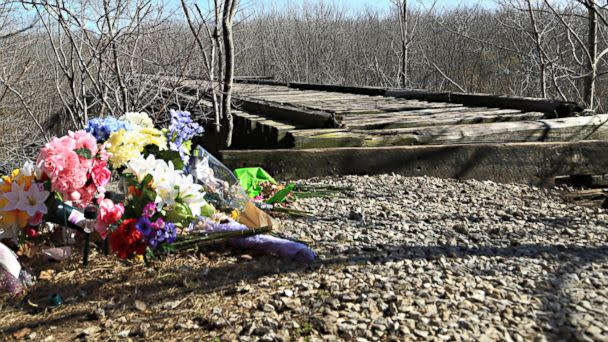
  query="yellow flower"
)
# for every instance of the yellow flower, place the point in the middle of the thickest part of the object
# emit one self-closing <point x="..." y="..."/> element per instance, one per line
<point x="13" y="219"/>
<point x="128" y="145"/>
<point x="5" y="184"/>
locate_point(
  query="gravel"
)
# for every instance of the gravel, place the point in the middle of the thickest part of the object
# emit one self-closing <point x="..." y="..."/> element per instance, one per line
<point x="435" y="259"/>
<point x="399" y="259"/>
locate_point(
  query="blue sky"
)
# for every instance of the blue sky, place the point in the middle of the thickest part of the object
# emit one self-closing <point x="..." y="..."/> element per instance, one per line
<point x="350" y="5"/>
<point x="379" y="4"/>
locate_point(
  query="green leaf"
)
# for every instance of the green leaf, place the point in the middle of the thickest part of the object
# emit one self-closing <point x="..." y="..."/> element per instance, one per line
<point x="84" y="152"/>
<point x="281" y="195"/>
<point x="147" y="179"/>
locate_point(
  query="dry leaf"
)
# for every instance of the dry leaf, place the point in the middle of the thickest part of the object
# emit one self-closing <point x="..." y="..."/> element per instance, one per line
<point x="20" y="334"/>
<point x="46" y="275"/>
<point x="28" y="250"/>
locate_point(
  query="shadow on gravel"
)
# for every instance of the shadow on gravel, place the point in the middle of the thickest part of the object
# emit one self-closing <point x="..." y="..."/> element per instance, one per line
<point x="226" y="278"/>
<point x="558" y="308"/>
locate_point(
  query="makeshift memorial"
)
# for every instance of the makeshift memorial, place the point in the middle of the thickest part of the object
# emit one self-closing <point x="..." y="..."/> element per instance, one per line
<point x="175" y="197"/>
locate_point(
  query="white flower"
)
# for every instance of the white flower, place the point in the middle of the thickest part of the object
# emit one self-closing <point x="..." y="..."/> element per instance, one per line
<point x="138" y="120"/>
<point x="28" y="169"/>
<point x="171" y="185"/>
<point x="14" y="196"/>
<point x="192" y="194"/>
<point x="32" y="200"/>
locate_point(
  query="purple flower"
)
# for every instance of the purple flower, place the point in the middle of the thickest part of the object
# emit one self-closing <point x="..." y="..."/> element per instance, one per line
<point x="163" y="232"/>
<point x="144" y="226"/>
<point x="181" y="130"/>
<point x="149" y="210"/>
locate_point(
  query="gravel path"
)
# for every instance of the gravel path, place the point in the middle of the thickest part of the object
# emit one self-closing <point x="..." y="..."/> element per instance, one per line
<point x="400" y="259"/>
<point x="428" y="258"/>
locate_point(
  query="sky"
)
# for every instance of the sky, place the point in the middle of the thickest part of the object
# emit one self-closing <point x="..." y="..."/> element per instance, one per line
<point x="353" y="5"/>
<point x="379" y="4"/>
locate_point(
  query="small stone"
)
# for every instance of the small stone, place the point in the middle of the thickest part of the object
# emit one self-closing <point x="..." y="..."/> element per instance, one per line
<point x="90" y="331"/>
<point x="288" y="293"/>
<point x="261" y="331"/>
<point x="123" y="334"/>
<point x="246" y="257"/>
<point x="141" y="306"/>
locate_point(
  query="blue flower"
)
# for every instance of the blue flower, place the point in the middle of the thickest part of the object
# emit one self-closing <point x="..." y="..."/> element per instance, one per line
<point x="102" y="128"/>
<point x="181" y="130"/>
<point x="160" y="233"/>
<point x="144" y="226"/>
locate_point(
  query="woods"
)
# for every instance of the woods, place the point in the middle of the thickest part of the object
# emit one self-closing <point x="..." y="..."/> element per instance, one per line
<point x="63" y="62"/>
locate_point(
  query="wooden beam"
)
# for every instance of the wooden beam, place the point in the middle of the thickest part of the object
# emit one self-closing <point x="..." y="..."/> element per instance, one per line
<point x="531" y="163"/>
<point x="292" y="115"/>
<point x="567" y="129"/>
<point x="404" y="121"/>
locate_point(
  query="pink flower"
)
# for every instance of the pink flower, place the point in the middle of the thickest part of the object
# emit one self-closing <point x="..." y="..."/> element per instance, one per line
<point x="100" y="173"/>
<point x="31" y="232"/>
<point x="109" y="213"/>
<point x="82" y="139"/>
<point x="84" y="196"/>
<point x="36" y="219"/>
<point x="77" y="176"/>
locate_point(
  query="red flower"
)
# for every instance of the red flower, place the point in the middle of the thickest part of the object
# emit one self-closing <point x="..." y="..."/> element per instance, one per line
<point x="126" y="240"/>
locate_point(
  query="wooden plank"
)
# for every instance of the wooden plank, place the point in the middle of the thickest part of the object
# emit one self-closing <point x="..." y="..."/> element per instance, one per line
<point x="531" y="163"/>
<point x="558" y="108"/>
<point x="337" y="88"/>
<point x="442" y="120"/>
<point x="451" y="111"/>
<point x="567" y="129"/>
<point x="299" y="117"/>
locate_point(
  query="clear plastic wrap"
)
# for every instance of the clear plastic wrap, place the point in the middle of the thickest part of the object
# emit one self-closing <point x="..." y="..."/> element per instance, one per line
<point x="222" y="188"/>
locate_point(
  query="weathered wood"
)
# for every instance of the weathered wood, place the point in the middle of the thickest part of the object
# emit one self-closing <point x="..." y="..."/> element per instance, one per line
<point x="288" y="114"/>
<point x="549" y="106"/>
<point x="567" y="129"/>
<point x="418" y="94"/>
<point x="442" y="119"/>
<point x="339" y="88"/>
<point x="532" y="163"/>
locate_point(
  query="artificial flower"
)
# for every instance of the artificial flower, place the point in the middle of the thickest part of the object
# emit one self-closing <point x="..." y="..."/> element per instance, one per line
<point x="75" y="166"/>
<point x="181" y="130"/>
<point x="102" y="128"/>
<point x="109" y="213"/>
<point x="33" y="200"/>
<point x="126" y="240"/>
<point x="137" y="119"/>
<point x="128" y="145"/>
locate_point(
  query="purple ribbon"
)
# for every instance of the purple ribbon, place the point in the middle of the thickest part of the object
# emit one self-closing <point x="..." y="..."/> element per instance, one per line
<point x="265" y="243"/>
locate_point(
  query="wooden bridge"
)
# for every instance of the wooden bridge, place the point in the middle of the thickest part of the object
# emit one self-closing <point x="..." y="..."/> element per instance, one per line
<point x="303" y="130"/>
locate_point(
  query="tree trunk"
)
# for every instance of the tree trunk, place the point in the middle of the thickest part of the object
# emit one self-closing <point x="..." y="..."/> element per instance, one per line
<point x="591" y="65"/>
<point x="403" y="25"/>
<point x="228" y="15"/>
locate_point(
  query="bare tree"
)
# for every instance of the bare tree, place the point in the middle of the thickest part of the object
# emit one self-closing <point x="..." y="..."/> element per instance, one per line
<point x="217" y="27"/>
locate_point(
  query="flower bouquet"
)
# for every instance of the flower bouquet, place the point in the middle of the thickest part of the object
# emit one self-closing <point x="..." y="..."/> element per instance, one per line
<point x="174" y="197"/>
<point x="168" y="193"/>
